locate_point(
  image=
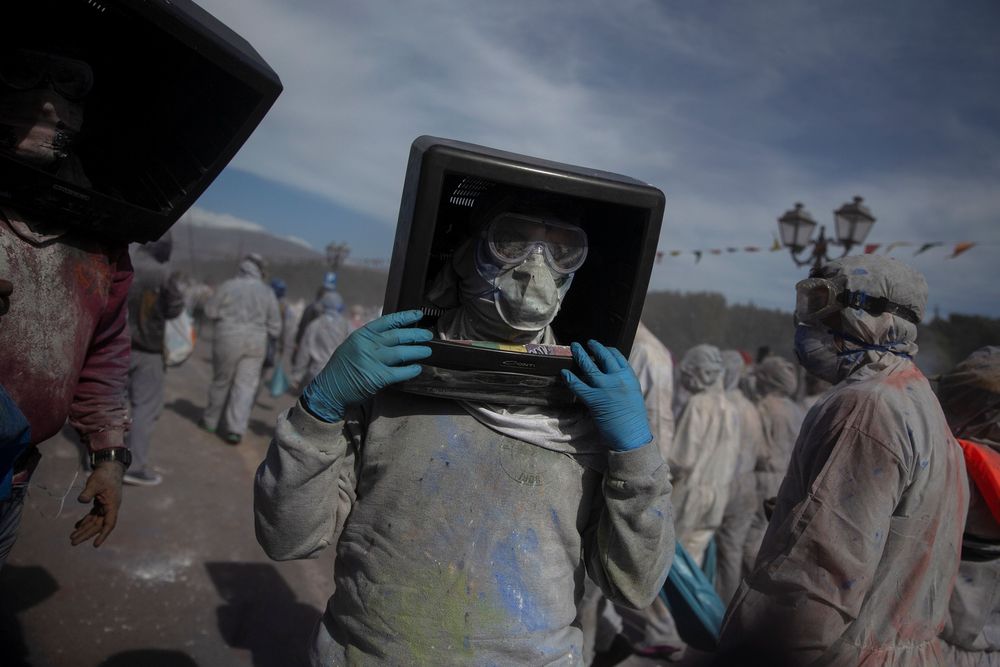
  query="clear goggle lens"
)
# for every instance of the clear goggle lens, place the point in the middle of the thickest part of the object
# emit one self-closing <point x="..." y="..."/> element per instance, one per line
<point x="815" y="298"/>
<point x="512" y="238"/>
<point x="24" y="70"/>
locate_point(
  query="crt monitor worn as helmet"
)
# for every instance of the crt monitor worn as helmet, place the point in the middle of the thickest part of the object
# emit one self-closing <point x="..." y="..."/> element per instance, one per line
<point x="168" y="95"/>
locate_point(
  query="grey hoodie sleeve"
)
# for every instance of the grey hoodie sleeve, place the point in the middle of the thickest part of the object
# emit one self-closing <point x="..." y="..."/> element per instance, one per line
<point x="305" y="487"/>
<point x="629" y="542"/>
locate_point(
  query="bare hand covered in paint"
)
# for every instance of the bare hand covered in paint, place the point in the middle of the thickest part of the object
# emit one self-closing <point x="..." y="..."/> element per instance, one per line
<point x="611" y="392"/>
<point x="6" y="288"/>
<point x="104" y="489"/>
<point x="375" y="356"/>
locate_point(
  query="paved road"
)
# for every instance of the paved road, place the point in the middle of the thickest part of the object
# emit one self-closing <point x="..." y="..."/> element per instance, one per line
<point x="181" y="582"/>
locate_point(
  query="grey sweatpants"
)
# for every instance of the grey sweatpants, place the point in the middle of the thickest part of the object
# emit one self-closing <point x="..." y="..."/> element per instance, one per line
<point x="146" y="375"/>
<point x="236" y="366"/>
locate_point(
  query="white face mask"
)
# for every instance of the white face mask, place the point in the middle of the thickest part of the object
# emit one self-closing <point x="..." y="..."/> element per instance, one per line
<point x="528" y="296"/>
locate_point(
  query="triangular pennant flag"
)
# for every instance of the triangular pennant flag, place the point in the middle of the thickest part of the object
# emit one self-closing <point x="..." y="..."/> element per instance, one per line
<point x="872" y="247"/>
<point x="927" y="246"/>
<point x="659" y="257"/>
<point x="897" y="244"/>
<point x="776" y="246"/>
<point x="675" y="253"/>
<point x="697" y="256"/>
<point x="715" y="251"/>
<point x="751" y="248"/>
<point x="960" y="248"/>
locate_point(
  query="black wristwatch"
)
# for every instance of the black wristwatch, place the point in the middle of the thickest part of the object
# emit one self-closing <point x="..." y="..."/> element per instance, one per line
<point x="120" y="454"/>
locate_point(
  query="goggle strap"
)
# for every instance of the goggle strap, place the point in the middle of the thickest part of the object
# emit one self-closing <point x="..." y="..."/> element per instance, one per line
<point x="876" y="305"/>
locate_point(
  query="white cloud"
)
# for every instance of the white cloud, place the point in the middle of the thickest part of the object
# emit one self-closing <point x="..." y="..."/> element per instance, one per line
<point x="200" y="217"/>
<point x="725" y="109"/>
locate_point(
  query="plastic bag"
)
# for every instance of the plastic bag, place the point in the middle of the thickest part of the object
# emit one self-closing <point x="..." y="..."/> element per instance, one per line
<point x="696" y="607"/>
<point x="279" y="381"/>
<point x="178" y="339"/>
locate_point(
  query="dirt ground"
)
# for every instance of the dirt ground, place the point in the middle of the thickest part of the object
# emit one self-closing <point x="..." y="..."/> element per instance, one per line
<point x="182" y="581"/>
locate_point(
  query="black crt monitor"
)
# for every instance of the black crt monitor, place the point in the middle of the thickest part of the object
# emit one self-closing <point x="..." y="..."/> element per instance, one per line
<point x="445" y="182"/>
<point x="174" y="95"/>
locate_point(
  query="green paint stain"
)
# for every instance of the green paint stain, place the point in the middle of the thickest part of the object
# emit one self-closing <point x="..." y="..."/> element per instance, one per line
<point x="439" y="610"/>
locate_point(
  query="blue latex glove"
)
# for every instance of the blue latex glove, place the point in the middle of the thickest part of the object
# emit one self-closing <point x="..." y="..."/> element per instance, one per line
<point x="612" y="395"/>
<point x="372" y="358"/>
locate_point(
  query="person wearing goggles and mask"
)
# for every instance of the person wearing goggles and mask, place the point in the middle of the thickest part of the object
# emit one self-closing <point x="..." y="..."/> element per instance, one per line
<point x="42" y="98"/>
<point x="64" y="342"/>
<point x="861" y="553"/>
<point x="464" y="530"/>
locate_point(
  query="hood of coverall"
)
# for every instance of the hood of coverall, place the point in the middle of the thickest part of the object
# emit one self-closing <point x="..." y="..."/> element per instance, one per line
<point x="331" y="303"/>
<point x="861" y="338"/>
<point x="252" y="266"/>
<point x="733" y="366"/>
<point x="701" y="368"/>
<point x="776" y="375"/>
<point x="970" y="397"/>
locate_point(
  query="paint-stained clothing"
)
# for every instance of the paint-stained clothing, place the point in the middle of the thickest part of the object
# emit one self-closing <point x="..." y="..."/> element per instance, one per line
<point x="456" y="544"/>
<point x="860" y="557"/>
<point x="703" y="463"/>
<point x="64" y="344"/>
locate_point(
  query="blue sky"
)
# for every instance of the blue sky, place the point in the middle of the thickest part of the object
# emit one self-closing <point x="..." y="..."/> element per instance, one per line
<point x="735" y="110"/>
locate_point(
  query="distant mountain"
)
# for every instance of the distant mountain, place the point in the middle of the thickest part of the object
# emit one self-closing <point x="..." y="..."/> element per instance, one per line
<point x="202" y="235"/>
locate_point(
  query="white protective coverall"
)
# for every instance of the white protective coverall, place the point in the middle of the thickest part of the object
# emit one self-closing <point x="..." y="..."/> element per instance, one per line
<point x="319" y="340"/>
<point x="731" y="537"/>
<point x="970" y="397"/>
<point x="860" y="556"/>
<point x="245" y="312"/>
<point x="706" y="446"/>
<point x="776" y="380"/>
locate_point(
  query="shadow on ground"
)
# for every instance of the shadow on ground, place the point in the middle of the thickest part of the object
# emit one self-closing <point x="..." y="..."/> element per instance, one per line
<point x="186" y="409"/>
<point x="20" y="589"/>
<point x="261" y="613"/>
<point x="149" y="657"/>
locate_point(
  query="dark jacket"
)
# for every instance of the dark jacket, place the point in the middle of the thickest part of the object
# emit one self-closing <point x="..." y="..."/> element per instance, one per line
<point x="154" y="298"/>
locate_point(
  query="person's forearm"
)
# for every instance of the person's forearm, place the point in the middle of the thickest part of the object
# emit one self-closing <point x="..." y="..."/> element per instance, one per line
<point x="304" y="488"/>
<point x="631" y="548"/>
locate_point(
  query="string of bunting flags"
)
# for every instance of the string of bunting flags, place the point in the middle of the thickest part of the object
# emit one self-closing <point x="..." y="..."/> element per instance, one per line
<point x="869" y="248"/>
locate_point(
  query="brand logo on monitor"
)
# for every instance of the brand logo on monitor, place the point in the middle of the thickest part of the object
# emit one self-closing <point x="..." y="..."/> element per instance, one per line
<point x="514" y="363"/>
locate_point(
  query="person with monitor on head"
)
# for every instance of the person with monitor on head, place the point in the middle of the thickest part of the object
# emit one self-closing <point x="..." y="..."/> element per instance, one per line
<point x="98" y="151"/>
<point x="464" y="528"/>
<point x="64" y="343"/>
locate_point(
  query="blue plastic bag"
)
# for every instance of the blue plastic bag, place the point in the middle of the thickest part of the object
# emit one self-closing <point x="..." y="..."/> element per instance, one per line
<point x="695" y="606"/>
<point x="279" y="381"/>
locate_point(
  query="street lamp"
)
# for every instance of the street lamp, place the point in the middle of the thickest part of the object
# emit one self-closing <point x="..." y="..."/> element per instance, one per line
<point x="853" y="222"/>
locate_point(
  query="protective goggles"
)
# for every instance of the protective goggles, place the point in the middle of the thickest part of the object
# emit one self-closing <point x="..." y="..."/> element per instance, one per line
<point x="511" y="238"/>
<point x="26" y="70"/>
<point x="815" y="298"/>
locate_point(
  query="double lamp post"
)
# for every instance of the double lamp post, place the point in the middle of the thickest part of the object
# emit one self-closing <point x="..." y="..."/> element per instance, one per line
<point x="853" y="222"/>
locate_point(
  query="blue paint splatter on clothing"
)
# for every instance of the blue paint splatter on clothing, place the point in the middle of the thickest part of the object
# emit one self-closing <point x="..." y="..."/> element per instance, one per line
<point x="510" y="558"/>
<point x="859" y="272"/>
